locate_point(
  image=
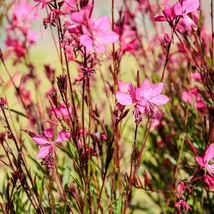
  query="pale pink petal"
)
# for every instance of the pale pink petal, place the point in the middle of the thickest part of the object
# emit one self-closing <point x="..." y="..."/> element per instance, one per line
<point x="108" y="37"/>
<point x="123" y="98"/>
<point x="62" y="136"/>
<point x="146" y="85"/>
<point x="98" y="46"/>
<point x="44" y="151"/>
<point x="86" y="41"/>
<point x="157" y="89"/>
<point x="210" y="169"/>
<point x="200" y="161"/>
<point x="178" y="9"/>
<point x="187" y="97"/>
<point x="141" y="109"/>
<point x="190" y="5"/>
<point x="123" y="87"/>
<point x="189" y="22"/>
<point x="159" y="100"/>
<point x="209" y="153"/>
<point x="102" y="24"/>
<point x="40" y="140"/>
<point x="49" y="133"/>
<point x="146" y="94"/>
<point x="70" y="3"/>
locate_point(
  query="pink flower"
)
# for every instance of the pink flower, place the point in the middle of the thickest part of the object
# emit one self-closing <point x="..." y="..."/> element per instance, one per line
<point x="61" y="111"/>
<point x="184" y="8"/>
<point x="32" y="37"/>
<point x="97" y="35"/>
<point x="181" y="188"/>
<point x="47" y="144"/>
<point x="24" y="11"/>
<point x="168" y="16"/>
<point x="144" y="98"/>
<point x="164" y="40"/>
<point x="204" y="161"/>
<point x="188" y="96"/>
<point x="208" y="180"/>
<point x="182" y="205"/>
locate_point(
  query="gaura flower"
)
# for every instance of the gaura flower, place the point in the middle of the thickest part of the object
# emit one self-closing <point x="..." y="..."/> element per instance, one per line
<point x="97" y="35"/>
<point x="144" y="98"/>
<point x="204" y="161"/>
<point x="46" y="142"/>
<point x="184" y="8"/>
<point x="182" y="205"/>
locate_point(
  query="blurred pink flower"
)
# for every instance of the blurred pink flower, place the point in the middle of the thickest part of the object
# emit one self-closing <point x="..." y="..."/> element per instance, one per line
<point x="182" y="205"/>
<point x="208" y="180"/>
<point x="24" y="11"/>
<point x="97" y="35"/>
<point x="61" y="111"/>
<point x="189" y="96"/>
<point x="181" y="188"/>
<point x="47" y="144"/>
<point x="204" y="161"/>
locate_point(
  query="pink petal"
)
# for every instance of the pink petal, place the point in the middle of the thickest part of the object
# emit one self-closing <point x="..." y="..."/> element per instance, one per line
<point x="108" y="37"/>
<point x="159" y="100"/>
<point x="44" y="151"/>
<point x="40" y="140"/>
<point x="146" y="85"/>
<point x="123" y="87"/>
<point x="142" y="109"/>
<point x="132" y="92"/>
<point x="200" y="161"/>
<point x="102" y="24"/>
<point x="160" y="18"/>
<point x="178" y="9"/>
<point x="144" y="94"/>
<point x="123" y="98"/>
<point x="187" y="97"/>
<point x="86" y="41"/>
<point x="99" y="47"/>
<point x="189" y="22"/>
<point x="209" y="153"/>
<point x="157" y="89"/>
<point x="167" y="11"/>
<point x="190" y="5"/>
<point x="62" y="136"/>
<point x="49" y="133"/>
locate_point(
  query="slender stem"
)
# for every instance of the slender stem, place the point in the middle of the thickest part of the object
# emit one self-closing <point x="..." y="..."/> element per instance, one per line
<point x="131" y="169"/>
<point x="137" y="165"/>
<point x="166" y="61"/>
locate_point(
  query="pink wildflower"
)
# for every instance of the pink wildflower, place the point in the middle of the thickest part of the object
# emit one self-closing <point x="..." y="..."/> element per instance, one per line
<point x="168" y="15"/>
<point x="164" y="40"/>
<point x="181" y="188"/>
<point x="182" y="205"/>
<point x="97" y="36"/>
<point x="208" y="180"/>
<point x="47" y="144"/>
<point x="204" y="161"/>
<point x="23" y="11"/>
<point x="184" y="8"/>
<point x="61" y="111"/>
<point x="144" y="98"/>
